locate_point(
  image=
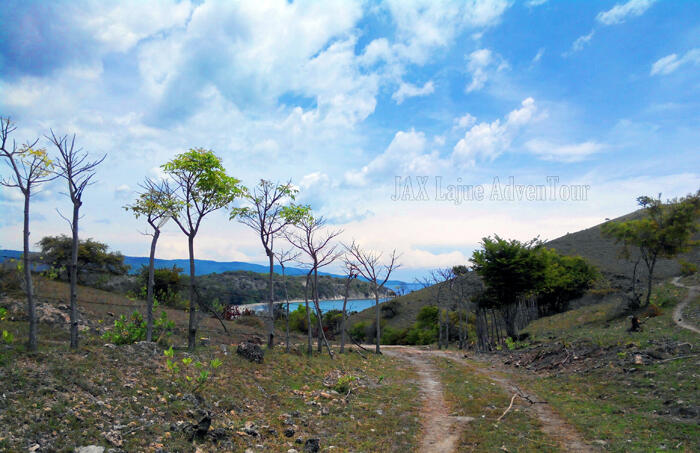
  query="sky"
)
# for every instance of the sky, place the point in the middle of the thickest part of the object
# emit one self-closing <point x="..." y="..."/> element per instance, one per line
<point x="420" y="126"/>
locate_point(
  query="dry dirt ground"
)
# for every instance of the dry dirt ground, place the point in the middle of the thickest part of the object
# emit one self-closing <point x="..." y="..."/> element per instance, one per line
<point x="678" y="311"/>
<point x="441" y="431"/>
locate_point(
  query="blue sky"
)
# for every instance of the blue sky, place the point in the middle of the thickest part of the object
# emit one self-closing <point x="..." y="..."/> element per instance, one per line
<point x="343" y="97"/>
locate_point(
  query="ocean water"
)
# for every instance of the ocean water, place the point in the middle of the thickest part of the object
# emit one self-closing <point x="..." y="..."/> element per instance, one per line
<point x="327" y="305"/>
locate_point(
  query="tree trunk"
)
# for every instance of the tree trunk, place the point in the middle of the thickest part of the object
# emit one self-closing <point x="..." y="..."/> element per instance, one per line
<point x="650" y="281"/>
<point x="271" y="305"/>
<point x="74" y="278"/>
<point x="319" y="318"/>
<point x="309" y="345"/>
<point x="31" y="309"/>
<point x="192" y="328"/>
<point x="150" y="284"/>
<point x="286" y="298"/>
<point x="378" y="329"/>
<point x="345" y="315"/>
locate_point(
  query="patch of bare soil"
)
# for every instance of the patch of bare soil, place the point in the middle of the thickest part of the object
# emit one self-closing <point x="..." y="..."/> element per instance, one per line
<point x="678" y="311"/>
<point x="440" y="430"/>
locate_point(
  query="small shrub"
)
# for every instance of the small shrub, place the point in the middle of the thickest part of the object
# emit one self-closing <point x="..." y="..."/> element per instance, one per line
<point x="7" y="337"/>
<point x="664" y="296"/>
<point x="688" y="268"/>
<point x="391" y="335"/>
<point x="358" y="330"/>
<point x="134" y="330"/>
<point x="297" y="319"/>
<point x="191" y="376"/>
<point x="344" y="384"/>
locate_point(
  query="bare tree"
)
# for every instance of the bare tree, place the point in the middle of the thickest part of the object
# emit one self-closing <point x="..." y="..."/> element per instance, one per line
<point x="74" y="167"/>
<point x="283" y="257"/>
<point x="202" y="186"/>
<point x="157" y="203"/>
<point x="445" y="279"/>
<point x="350" y="275"/>
<point x="30" y="168"/>
<point x="369" y="266"/>
<point x="316" y="244"/>
<point x="271" y="211"/>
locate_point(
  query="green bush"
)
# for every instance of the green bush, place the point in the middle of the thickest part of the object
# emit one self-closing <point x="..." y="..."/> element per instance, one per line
<point x="343" y="384"/>
<point x="688" y="268"/>
<point x="133" y="330"/>
<point x="297" y="319"/>
<point x="664" y="296"/>
<point x="358" y="330"/>
<point x="391" y="335"/>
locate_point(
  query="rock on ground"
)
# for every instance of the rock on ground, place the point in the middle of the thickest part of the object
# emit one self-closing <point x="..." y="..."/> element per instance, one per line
<point x="251" y="351"/>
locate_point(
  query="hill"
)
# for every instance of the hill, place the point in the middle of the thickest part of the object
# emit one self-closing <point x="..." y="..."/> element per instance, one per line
<point x="203" y="267"/>
<point x="244" y="287"/>
<point x="589" y="244"/>
<point x="604" y="253"/>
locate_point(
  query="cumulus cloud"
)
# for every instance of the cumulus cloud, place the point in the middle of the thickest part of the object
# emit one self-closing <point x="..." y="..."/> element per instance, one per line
<point x="423" y="25"/>
<point x="464" y="121"/>
<point x="479" y="64"/>
<point x="622" y="11"/>
<point x="406" y="154"/>
<point x="486" y="141"/>
<point x="408" y="90"/>
<point x="670" y="63"/>
<point x="574" y="152"/>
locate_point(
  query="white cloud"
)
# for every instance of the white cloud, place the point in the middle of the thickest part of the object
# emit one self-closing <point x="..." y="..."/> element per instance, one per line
<point x="538" y="56"/>
<point x="119" y="26"/>
<point x="486" y="141"/>
<point x="406" y="155"/>
<point x="122" y="191"/>
<point x="407" y="90"/>
<point x="532" y="3"/>
<point x="464" y="121"/>
<point x="622" y="11"/>
<point x="574" y="152"/>
<point x="580" y="43"/>
<point x="670" y="63"/>
<point x="423" y="25"/>
<point x="479" y="64"/>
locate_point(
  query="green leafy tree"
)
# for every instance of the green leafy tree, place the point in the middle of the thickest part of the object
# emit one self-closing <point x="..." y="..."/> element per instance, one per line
<point x="202" y="186"/>
<point x="565" y="279"/>
<point x="30" y="167"/>
<point x="166" y="284"/>
<point x="157" y="204"/>
<point x="665" y="231"/>
<point x="93" y="257"/>
<point x="511" y="270"/>
<point x="271" y="209"/>
<point x="73" y="166"/>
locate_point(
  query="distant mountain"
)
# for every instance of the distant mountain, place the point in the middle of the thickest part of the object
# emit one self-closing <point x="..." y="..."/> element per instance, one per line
<point x="203" y="267"/>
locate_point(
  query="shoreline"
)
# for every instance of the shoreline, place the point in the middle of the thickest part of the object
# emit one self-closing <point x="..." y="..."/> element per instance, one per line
<point x="262" y="305"/>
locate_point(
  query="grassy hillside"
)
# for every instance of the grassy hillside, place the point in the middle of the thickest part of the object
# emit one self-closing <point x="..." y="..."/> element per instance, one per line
<point x="242" y="287"/>
<point x="603" y="252"/>
<point x="588" y="243"/>
<point x="627" y="391"/>
<point x="125" y="398"/>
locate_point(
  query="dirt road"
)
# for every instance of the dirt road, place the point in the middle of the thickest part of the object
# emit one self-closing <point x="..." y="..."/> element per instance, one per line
<point x="441" y="431"/>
